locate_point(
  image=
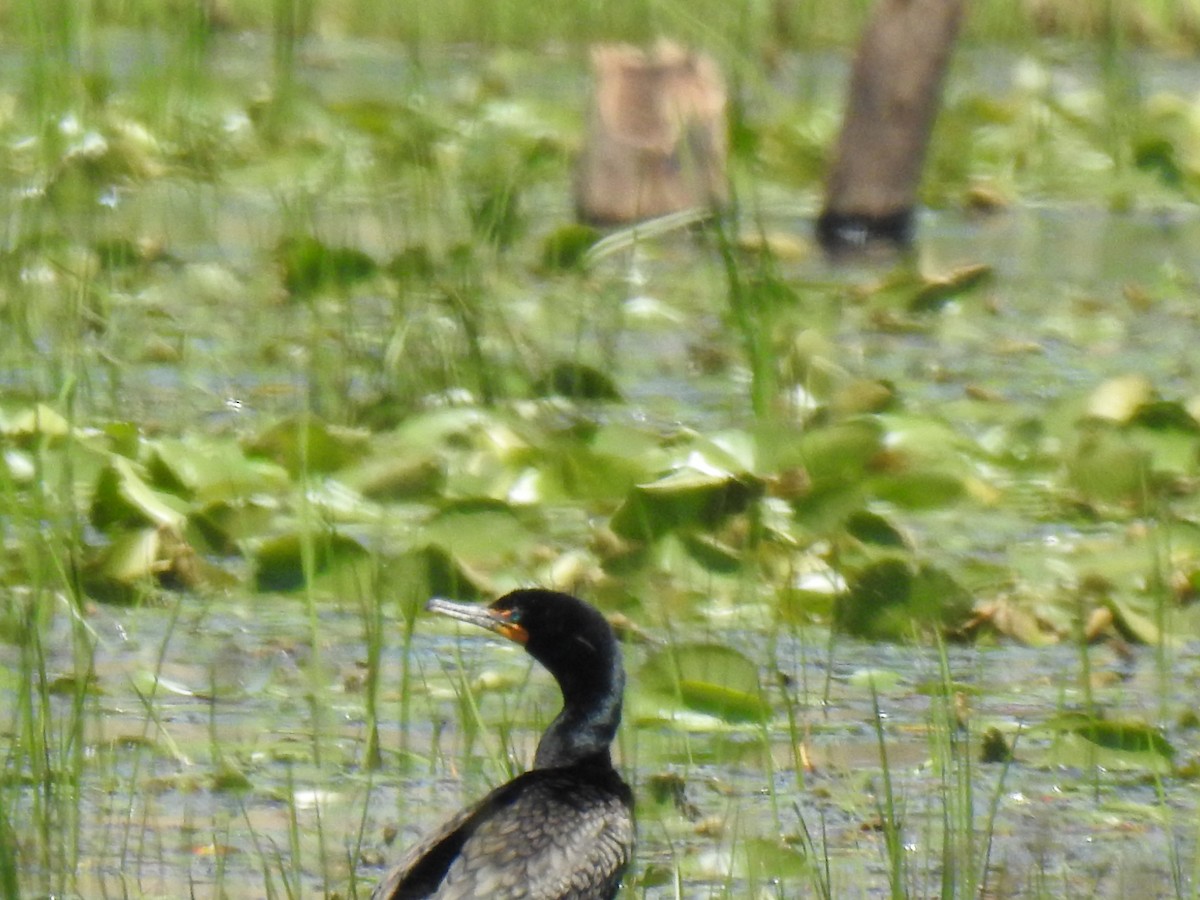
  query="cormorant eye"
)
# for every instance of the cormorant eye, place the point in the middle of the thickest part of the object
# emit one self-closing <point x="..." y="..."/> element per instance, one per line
<point x="514" y="616"/>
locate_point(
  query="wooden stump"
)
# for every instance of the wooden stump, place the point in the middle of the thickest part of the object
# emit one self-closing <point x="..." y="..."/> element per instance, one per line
<point x="895" y="91"/>
<point x="656" y="139"/>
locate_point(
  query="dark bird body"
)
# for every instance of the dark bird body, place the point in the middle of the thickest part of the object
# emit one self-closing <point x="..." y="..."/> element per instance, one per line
<point x="563" y="830"/>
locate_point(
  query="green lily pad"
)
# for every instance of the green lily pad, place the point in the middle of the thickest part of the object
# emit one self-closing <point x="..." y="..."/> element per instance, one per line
<point x="279" y="561"/>
<point x="872" y="528"/>
<point x="38" y="421"/>
<point x="1170" y="450"/>
<point x="707" y="678"/>
<point x="934" y="292"/>
<point x="132" y="557"/>
<point x="122" y="497"/>
<point x="772" y="859"/>
<point x="210" y="471"/>
<point x="412" y="264"/>
<point x="876" y="680"/>
<point x="577" y="381"/>
<point x="1108" y="467"/>
<point x="712" y="554"/>
<point x="566" y="248"/>
<point x="1135" y="626"/>
<point x="1115" y="744"/>
<point x="394" y="477"/>
<point x="142" y="560"/>
<point x="480" y="530"/>
<point x="684" y="499"/>
<point x="892" y="598"/>
<point x="840" y="452"/>
<point x="1118" y="399"/>
<point x="149" y="683"/>
<point x="432" y="571"/>
<point x="917" y="489"/>
<point x="605" y="468"/>
<point x="230" y="778"/>
<point x="305" y="444"/>
<point x="222" y="525"/>
<point x="310" y="265"/>
<point x="1166" y="415"/>
<point x="458" y="427"/>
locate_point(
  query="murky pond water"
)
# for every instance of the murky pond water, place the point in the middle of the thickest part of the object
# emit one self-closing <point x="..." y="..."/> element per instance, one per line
<point x="209" y="764"/>
<point x="221" y="744"/>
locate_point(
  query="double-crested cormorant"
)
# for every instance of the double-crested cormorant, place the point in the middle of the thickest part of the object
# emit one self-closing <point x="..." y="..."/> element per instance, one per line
<point x="563" y="830"/>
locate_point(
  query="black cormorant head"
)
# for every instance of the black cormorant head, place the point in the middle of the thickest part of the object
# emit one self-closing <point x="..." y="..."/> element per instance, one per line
<point x="577" y="645"/>
<point x="567" y="636"/>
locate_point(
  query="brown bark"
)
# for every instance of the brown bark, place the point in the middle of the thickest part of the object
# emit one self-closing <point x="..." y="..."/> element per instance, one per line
<point x="656" y="138"/>
<point x="895" y="91"/>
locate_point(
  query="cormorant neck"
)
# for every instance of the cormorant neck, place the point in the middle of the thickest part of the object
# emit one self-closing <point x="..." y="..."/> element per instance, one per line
<point x="585" y="727"/>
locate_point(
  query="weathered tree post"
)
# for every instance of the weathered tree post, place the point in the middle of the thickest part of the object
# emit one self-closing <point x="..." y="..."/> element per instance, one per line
<point x="656" y="139"/>
<point x="895" y="91"/>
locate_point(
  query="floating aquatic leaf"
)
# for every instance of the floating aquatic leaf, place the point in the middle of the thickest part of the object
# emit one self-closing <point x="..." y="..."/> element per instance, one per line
<point x="567" y="247"/>
<point x="433" y="571"/>
<point x="1111" y="743"/>
<point x="1171" y="451"/>
<point x="210" y="471"/>
<point x="1136" y="626"/>
<point x="122" y="497"/>
<point x="229" y="777"/>
<point x="684" y="499"/>
<point x="305" y="444"/>
<point x="917" y="292"/>
<point x="458" y="427"/>
<point x="1010" y="619"/>
<point x="917" y="489"/>
<point x="812" y="593"/>
<point x="413" y="263"/>
<point x="784" y="246"/>
<point x="838" y="455"/>
<point x="936" y="291"/>
<point x="893" y="598"/>
<point x="712" y="554"/>
<point x="149" y="683"/>
<point x="73" y="685"/>
<point x="1118" y="399"/>
<point x="222" y="525"/>
<point x="816" y="363"/>
<point x="879" y="680"/>
<point x="604" y="468"/>
<point x="872" y="528"/>
<point x="393" y="477"/>
<point x="37" y="421"/>
<point x="280" y="560"/>
<point x="310" y="265"/>
<point x="481" y="530"/>
<point x="985" y="198"/>
<point x="1164" y="415"/>
<point x="706" y="678"/>
<point x="132" y="557"/>
<point x="577" y="381"/>
<point x="1108" y="467"/>
<point x="772" y="859"/>
<point x="862" y="395"/>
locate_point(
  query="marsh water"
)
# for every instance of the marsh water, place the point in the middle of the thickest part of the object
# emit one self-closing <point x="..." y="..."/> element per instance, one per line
<point x="238" y="773"/>
<point x="224" y="742"/>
